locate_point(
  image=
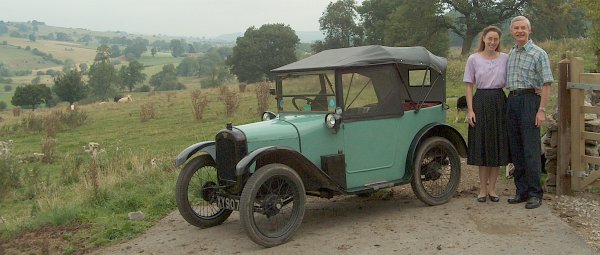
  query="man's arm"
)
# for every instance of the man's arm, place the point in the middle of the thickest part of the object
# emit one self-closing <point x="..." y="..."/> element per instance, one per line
<point x="540" y="117"/>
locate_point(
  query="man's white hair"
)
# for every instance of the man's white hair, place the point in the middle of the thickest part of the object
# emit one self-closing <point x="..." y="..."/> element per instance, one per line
<point x="520" y="18"/>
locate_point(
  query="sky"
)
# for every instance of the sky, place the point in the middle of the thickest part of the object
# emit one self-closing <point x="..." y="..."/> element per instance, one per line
<point x="197" y="18"/>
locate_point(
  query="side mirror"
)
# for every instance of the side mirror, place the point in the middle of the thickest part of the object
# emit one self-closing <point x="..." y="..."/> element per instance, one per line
<point x="273" y="92"/>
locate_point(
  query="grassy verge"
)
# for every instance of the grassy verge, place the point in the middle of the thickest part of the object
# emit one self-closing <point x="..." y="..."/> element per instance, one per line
<point x="134" y="171"/>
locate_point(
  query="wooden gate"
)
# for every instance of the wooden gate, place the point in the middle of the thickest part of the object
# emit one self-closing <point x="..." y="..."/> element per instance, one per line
<point x="573" y="166"/>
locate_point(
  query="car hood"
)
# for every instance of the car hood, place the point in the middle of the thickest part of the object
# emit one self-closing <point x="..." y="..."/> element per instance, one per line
<point x="285" y="130"/>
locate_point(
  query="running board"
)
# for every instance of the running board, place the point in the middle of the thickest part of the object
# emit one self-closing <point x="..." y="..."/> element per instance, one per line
<point x="379" y="185"/>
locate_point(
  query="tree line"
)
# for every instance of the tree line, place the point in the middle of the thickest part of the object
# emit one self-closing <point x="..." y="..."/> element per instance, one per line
<point x="428" y="23"/>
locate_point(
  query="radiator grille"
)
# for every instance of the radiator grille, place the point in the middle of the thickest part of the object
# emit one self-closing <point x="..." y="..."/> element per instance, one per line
<point x="230" y="149"/>
<point x="226" y="159"/>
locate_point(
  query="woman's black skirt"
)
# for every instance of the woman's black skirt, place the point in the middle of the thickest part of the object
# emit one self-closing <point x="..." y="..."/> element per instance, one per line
<point x="488" y="139"/>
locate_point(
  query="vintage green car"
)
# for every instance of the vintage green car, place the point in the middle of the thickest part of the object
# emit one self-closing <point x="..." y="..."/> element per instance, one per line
<point x="349" y="121"/>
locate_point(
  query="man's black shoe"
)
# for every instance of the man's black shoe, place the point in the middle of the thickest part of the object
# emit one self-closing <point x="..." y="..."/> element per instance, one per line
<point x="517" y="199"/>
<point x="533" y="202"/>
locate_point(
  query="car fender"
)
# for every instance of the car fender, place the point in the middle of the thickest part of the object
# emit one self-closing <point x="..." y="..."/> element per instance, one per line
<point x="208" y="147"/>
<point x="312" y="176"/>
<point x="435" y="129"/>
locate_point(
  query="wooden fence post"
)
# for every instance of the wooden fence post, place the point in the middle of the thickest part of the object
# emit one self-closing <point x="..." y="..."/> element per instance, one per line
<point x="577" y="124"/>
<point x="563" y="179"/>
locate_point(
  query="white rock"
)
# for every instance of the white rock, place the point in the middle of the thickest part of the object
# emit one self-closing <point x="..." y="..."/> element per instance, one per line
<point x="137" y="216"/>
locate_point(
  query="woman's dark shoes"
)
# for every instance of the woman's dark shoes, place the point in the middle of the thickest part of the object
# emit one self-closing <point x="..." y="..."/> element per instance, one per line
<point x="517" y="199"/>
<point x="494" y="199"/>
<point x="481" y="199"/>
<point x="533" y="202"/>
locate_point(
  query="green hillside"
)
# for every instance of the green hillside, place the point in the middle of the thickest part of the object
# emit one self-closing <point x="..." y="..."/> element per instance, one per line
<point x="17" y="58"/>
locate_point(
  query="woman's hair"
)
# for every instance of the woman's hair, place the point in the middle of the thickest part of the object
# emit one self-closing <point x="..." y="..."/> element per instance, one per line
<point x="484" y="32"/>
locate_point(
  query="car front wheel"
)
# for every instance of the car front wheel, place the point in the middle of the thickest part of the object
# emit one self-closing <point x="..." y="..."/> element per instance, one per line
<point x="436" y="171"/>
<point x="196" y="193"/>
<point x="272" y="205"/>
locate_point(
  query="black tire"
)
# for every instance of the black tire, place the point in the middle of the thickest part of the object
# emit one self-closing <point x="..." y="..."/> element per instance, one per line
<point x="436" y="171"/>
<point x="272" y="205"/>
<point x="195" y="193"/>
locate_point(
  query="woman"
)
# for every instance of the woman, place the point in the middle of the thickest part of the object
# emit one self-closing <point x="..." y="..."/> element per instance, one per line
<point x="488" y="137"/>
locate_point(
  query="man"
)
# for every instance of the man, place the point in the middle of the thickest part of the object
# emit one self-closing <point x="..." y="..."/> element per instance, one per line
<point x="528" y="70"/>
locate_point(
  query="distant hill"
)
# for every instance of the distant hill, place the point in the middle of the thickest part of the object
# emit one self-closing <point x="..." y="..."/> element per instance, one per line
<point x="305" y="36"/>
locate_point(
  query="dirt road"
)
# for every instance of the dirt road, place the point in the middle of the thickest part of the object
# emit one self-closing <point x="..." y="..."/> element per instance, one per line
<point x="381" y="224"/>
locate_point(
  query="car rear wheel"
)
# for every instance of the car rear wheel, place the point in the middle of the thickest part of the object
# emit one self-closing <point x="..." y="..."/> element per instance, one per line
<point x="436" y="171"/>
<point x="196" y="193"/>
<point x="272" y="205"/>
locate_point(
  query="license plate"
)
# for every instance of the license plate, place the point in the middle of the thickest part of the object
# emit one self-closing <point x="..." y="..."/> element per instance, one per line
<point x="228" y="203"/>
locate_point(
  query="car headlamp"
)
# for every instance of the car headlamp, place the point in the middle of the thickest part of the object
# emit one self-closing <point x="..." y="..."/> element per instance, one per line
<point x="268" y="115"/>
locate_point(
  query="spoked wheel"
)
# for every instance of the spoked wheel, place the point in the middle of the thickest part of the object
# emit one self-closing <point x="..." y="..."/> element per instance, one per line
<point x="436" y="171"/>
<point x="272" y="205"/>
<point x="196" y="193"/>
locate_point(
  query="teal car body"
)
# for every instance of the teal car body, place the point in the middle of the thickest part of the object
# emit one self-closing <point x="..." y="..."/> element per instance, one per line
<point x="370" y="156"/>
<point x="348" y="121"/>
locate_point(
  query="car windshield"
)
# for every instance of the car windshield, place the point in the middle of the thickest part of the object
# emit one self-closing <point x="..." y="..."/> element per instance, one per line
<point x="313" y="92"/>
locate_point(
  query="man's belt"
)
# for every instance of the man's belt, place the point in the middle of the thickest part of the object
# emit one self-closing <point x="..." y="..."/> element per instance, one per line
<point x="518" y="92"/>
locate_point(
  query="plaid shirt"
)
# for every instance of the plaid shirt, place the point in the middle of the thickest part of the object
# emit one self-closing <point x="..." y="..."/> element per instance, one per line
<point x="528" y="67"/>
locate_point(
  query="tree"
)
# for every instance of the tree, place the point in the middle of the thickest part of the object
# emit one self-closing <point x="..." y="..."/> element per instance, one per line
<point x="191" y="48"/>
<point x="103" y="54"/>
<point x="188" y="67"/>
<point x="4" y="71"/>
<point x="68" y="65"/>
<point x="339" y="23"/>
<point x="418" y="23"/>
<point x="166" y="79"/>
<point x="177" y="47"/>
<point x="263" y="49"/>
<point x="32" y="37"/>
<point x="374" y="14"/>
<point x="555" y="19"/>
<point x="592" y="8"/>
<point x="70" y="87"/>
<point x="36" y="80"/>
<point x="153" y="51"/>
<point x="212" y="65"/>
<point x="3" y="27"/>
<point x="132" y="75"/>
<point x="85" y="38"/>
<point x="115" y="51"/>
<point x="134" y="51"/>
<point x="102" y="75"/>
<point x="83" y="67"/>
<point x="478" y="14"/>
<point x="31" y="95"/>
<point x="60" y="36"/>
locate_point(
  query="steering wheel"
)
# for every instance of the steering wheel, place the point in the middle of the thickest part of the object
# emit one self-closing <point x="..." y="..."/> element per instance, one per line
<point x="308" y="101"/>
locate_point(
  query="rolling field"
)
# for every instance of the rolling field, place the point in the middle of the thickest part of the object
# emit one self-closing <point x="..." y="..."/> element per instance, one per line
<point x="20" y="59"/>
<point x="60" y="50"/>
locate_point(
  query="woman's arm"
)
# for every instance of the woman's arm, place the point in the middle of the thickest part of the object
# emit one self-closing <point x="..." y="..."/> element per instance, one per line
<point x="469" y="96"/>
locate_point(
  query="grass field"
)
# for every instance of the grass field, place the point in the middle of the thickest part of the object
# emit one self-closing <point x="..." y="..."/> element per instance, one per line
<point x="129" y="146"/>
<point x="60" y="50"/>
<point x="20" y="59"/>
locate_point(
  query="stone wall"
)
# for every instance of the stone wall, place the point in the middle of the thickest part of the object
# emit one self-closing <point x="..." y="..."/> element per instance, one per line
<point x="550" y="141"/>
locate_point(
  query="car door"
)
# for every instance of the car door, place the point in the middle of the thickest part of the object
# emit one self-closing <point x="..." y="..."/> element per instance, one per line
<point x="370" y="126"/>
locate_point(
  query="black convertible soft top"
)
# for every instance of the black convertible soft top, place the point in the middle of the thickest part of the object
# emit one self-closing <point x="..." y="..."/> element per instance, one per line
<point x="367" y="55"/>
